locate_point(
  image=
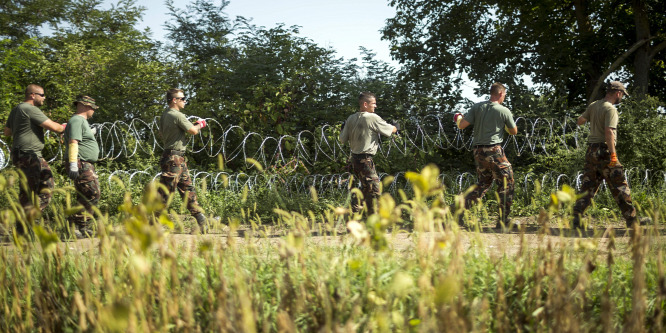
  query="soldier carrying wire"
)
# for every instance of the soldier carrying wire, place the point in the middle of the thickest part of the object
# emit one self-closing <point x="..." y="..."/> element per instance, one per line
<point x="362" y="130"/>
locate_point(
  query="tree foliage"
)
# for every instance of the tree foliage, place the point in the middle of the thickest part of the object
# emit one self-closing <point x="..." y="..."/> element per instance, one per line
<point x="563" y="47"/>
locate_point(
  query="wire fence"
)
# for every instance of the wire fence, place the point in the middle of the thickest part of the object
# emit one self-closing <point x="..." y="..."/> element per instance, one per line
<point x="121" y="139"/>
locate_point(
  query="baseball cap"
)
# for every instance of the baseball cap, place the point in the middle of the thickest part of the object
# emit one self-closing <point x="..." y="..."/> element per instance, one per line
<point x="617" y="85"/>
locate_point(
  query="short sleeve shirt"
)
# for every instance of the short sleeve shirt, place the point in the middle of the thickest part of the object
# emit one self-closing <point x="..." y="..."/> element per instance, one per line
<point x="78" y="129"/>
<point x="601" y="114"/>
<point x="362" y="130"/>
<point x="173" y="127"/>
<point x="489" y="119"/>
<point x="24" y="121"/>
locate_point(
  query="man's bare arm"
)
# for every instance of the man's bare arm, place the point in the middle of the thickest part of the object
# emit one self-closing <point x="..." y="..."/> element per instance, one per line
<point x="194" y="130"/>
<point x="610" y="139"/>
<point x="581" y="121"/>
<point x="52" y="126"/>
<point x="8" y="131"/>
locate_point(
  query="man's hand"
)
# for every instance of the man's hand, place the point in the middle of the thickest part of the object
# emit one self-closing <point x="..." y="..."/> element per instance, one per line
<point x="201" y="123"/>
<point x="93" y="130"/>
<point x="457" y="118"/>
<point x="64" y="126"/>
<point x="73" y="172"/>
<point x="614" y="163"/>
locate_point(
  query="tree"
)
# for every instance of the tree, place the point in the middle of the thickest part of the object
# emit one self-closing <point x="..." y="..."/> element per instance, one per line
<point x="563" y="46"/>
<point x="102" y="54"/>
<point x="20" y="20"/>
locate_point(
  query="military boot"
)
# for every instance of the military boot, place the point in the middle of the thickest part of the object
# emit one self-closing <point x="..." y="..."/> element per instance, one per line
<point x="575" y="224"/>
<point x="202" y="224"/>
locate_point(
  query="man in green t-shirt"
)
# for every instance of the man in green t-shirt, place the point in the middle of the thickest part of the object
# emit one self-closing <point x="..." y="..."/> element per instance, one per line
<point x="174" y="128"/>
<point x="601" y="161"/>
<point x="362" y="130"/>
<point x="26" y="124"/>
<point x="490" y="120"/>
<point x="81" y="151"/>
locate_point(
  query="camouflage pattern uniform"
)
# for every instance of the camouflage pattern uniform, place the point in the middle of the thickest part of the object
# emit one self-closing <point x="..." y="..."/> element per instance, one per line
<point x="596" y="169"/>
<point x="363" y="168"/>
<point x="176" y="175"/>
<point x="39" y="179"/>
<point x="492" y="164"/>
<point x="87" y="193"/>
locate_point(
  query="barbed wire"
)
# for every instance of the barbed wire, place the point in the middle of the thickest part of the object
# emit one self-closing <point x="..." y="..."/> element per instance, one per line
<point x="122" y="139"/>
<point x="643" y="180"/>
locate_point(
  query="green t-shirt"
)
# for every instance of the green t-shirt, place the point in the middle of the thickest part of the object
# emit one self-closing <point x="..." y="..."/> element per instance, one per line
<point x="362" y="130"/>
<point x="489" y="119"/>
<point x="24" y="121"/>
<point x="173" y="127"/>
<point x="79" y="129"/>
<point x="601" y="114"/>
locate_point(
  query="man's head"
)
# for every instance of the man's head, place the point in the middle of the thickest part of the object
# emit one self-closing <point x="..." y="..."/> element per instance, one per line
<point x="85" y="105"/>
<point x="497" y="92"/>
<point x="176" y="98"/>
<point x="367" y="102"/>
<point x="34" y="95"/>
<point x="615" y="92"/>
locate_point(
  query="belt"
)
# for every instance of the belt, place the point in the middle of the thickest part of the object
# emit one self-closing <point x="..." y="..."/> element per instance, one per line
<point x="174" y="152"/>
<point x="362" y="155"/>
<point x="598" y="144"/>
<point x="486" y="146"/>
<point x="22" y="152"/>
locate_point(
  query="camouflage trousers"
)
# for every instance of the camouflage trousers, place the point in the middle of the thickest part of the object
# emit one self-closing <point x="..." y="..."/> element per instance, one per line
<point x="87" y="193"/>
<point x="595" y="171"/>
<point x="176" y="176"/>
<point x="492" y="165"/>
<point x="363" y="168"/>
<point x="39" y="180"/>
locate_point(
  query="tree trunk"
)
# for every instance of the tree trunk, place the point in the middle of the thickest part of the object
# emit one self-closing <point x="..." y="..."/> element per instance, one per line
<point x="642" y="57"/>
<point x="592" y="57"/>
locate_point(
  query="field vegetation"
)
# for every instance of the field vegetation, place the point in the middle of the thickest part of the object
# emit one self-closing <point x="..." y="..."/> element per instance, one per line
<point x="287" y="256"/>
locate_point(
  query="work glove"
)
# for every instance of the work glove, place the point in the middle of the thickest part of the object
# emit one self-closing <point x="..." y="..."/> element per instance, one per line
<point x="396" y="124"/>
<point x="73" y="172"/>
<point x="457" y="118"/>
<point x="201" y="123"/>
<point x="613" y="161"/>
<point x="93" y="130"/>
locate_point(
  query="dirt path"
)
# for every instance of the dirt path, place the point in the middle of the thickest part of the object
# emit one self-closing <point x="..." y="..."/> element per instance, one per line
<point x="493" y="241"/>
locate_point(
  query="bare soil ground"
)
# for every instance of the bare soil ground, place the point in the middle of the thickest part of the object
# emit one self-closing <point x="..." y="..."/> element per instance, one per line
<point x="527" y="236"/>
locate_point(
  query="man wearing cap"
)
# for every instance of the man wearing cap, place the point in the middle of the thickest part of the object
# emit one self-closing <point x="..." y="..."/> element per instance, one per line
<point x="362" y="130"/>
<point x="81" y="151"/>
<point x="174" y="128"/>
<point x="26" y="124"/>
<point x="601" y="162"/>
<point x="490" y="120"/>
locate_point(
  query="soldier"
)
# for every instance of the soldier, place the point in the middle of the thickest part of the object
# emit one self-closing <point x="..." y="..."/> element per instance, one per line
<point x="81" y="152"/>
<point x="174" y="126"/>
<point x="490" y="120"/>
<point x="26" y="124"/>
<point x="362" y="130"/>
<point x="601" y="161"/>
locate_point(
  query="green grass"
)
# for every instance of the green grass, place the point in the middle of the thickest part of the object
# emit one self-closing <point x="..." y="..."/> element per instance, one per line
<point x="138" y="277"/>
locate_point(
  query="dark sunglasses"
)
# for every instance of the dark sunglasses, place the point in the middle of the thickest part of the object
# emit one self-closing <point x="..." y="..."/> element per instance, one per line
<point x="41" y="95"/>
<point x="184" y="99"/>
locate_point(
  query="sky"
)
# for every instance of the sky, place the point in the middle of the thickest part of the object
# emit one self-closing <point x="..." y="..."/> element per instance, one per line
<point x="343" y="25"/>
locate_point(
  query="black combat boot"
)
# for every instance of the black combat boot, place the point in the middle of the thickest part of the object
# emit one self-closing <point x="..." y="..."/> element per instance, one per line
<point x="202" y="224"/>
